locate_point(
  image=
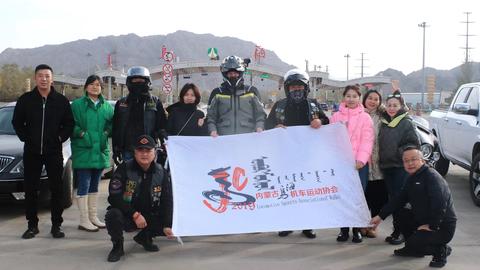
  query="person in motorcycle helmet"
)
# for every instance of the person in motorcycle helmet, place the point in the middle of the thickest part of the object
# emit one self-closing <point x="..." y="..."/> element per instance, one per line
<point x="138" y="80"/>
<point x="138" y="113"/>
<point x="242" y="111"/>
<point x="232" y="69"/>
<point x="296" y="110"/>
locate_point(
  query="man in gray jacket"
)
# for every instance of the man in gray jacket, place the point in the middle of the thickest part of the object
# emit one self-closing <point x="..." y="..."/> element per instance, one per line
<point x="234" y="107"/>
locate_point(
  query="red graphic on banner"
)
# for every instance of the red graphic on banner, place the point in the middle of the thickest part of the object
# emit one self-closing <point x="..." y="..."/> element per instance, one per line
<point x="225" y="196"/>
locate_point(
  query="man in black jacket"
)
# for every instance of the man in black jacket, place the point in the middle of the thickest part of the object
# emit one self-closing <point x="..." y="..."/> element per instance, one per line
<point x="431" y="222"/>
<point x="140" y="197"/>
<point x="296" y="110"/>
<point x="43" y="120"/>
<point x="138" y="113"/>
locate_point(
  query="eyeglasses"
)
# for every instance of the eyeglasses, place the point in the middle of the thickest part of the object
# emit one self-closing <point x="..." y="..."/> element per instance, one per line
<point x="407" y="161"/>
<point x="396" y="95"/>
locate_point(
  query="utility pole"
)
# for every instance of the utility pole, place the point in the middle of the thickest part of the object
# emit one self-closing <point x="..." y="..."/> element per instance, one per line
<point x="362" y="64"/>
<point x="88" y="63"/>
<point x="467" y="35"/>
<point x="347" y="56"/>
<point x="423" y="25"/>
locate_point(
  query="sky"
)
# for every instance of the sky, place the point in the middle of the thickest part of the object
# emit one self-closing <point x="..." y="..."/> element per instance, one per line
<point x="323" y="32"/>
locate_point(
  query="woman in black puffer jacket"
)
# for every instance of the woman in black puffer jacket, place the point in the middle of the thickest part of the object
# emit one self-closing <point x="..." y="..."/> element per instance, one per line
<point x="184" y="119"/>
<point x="396" y="133"/>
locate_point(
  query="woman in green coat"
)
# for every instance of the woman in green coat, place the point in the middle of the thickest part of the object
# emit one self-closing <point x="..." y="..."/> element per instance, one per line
<point x="90" y="152"/>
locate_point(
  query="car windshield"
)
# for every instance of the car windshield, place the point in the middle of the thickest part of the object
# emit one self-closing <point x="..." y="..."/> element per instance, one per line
<point x="6" y="114"/>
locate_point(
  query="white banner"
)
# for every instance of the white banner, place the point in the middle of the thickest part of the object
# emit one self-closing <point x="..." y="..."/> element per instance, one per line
<point x="281" y="179"/>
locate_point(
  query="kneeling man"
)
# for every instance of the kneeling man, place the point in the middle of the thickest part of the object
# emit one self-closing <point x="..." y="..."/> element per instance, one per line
<point x="140" y="197"/>
<point x="431" y="222"/>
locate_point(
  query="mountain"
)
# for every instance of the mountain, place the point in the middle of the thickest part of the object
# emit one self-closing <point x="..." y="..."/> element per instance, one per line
<point x="77" y="58"/>
<point x="445" y="80"/>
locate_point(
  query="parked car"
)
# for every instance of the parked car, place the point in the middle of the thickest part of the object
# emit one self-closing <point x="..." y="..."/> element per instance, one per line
<point x="458" y="133"/>
<point x="428" y="141"/>
<point x="11" y="163"/>
<point x="324" y="106"/>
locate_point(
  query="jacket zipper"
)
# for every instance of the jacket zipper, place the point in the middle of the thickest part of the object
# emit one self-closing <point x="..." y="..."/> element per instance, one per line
<point x="144" y="118"/>
<point x="44" y="102"/>
<point x="234" y="99"/>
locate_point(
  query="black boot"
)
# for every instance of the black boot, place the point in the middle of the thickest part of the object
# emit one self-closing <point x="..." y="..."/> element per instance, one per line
<point x="57" y="232"/>
<point x="144" y="239"/>
<point x="284" y="233"/>
<point x="356" y="235"/>
<point x="117" y="251"/>
<point x="440" y="257"/>
<point x="343" y="235"/>
<point x="309" y="234"/>
<point x="395" y="238"/>
<point x="30" y="232"/>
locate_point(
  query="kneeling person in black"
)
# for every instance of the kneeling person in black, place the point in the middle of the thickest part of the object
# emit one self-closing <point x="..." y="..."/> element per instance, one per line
<point x="296" y="110"/>
<point x="431" y="222"/>
<point x="140" y="197"/>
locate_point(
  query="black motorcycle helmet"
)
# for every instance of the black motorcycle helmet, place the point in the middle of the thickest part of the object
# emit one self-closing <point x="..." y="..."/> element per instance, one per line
<point x="234" y="63"/>
<point x="296" y="77"/>
<point x="138" y="72"/>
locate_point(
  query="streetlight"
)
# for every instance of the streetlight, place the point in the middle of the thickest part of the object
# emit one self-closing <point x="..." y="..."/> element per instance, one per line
<point x="88" y="63"/>
<point x="347" y="56"/>
<point x="423" y="25"/>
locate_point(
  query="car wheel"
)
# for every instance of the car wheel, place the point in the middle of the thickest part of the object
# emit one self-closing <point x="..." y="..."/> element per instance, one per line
<point x="442" y="165"/>
<point x="475" y="180"/>
<point x="68" y="184"/>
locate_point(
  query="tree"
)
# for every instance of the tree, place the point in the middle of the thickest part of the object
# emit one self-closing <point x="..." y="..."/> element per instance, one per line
<point x="466" y="74"/>
<point x="13" y="81"/>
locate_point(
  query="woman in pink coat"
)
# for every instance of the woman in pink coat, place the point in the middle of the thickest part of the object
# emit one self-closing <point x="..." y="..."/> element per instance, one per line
<point x="360" y="129"/>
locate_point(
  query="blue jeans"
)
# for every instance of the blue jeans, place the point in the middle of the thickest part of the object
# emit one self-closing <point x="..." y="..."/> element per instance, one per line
<point x="363" y="173"/>
<point x="88" y="180"/>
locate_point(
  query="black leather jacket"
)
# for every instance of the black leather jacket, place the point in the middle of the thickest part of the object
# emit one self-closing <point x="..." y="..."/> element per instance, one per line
<point x="125" y="191"/>
<point x="134" y="117"/>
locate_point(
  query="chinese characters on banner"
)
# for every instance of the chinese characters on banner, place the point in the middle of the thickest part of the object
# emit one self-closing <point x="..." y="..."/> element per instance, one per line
<point x="282" y="179"/>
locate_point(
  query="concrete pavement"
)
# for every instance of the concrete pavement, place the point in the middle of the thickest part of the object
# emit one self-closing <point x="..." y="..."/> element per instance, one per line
<point x="82" y="250"/>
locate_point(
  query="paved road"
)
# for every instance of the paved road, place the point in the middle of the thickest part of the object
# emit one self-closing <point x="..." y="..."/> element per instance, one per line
<point x="82" y="250"/>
